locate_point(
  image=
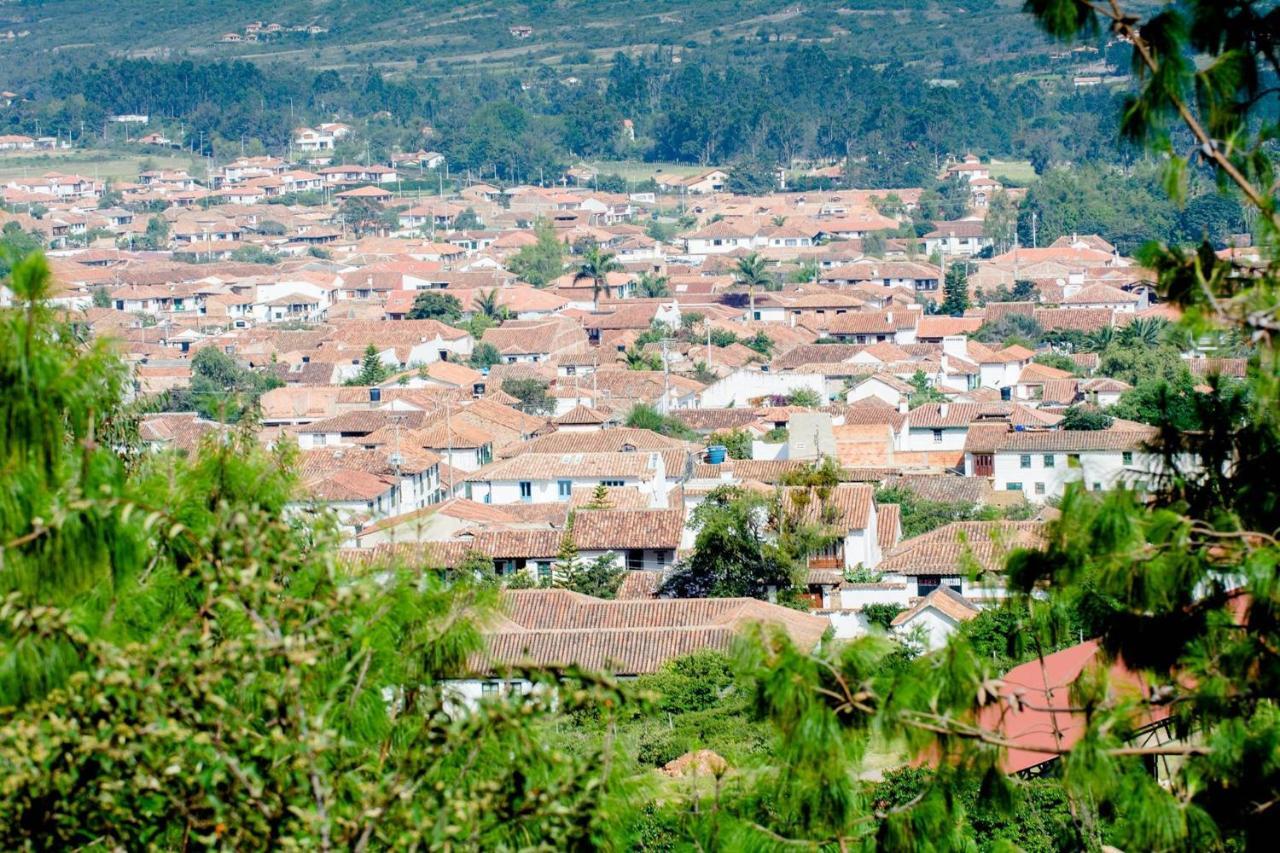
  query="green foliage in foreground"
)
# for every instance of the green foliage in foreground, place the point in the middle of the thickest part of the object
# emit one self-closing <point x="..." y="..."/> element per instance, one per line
<point x="183" y="663"/>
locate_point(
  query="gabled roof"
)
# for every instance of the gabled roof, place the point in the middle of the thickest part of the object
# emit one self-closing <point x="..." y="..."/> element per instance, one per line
<point x="1035" y="706"/>
<point x="946" y="601"/>
<point x="616" y="529"/>
<point x="627" y="637"/>
<point x="953" y="548"/>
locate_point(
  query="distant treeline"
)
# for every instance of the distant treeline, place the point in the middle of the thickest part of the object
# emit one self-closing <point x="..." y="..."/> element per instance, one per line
<point x="891" y="122"/>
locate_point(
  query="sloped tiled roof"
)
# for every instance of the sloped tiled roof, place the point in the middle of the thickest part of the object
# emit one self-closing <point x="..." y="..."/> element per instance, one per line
<point x="845" y="507"/>
<point x="627" y="637"/>
<point x="615" y="529"/>
<point x="952" y="548"/>
<point x="946" y="601"/>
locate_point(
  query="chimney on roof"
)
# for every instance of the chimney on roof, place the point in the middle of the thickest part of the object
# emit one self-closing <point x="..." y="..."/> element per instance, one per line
<point x="904" y="405"/>
<point x="943" y="408"/>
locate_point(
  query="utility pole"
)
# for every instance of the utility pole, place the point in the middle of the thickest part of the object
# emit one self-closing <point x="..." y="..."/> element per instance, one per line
<point x="666" y="379"/>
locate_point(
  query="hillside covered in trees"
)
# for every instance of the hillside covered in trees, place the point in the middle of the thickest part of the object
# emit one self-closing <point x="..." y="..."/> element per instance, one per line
<point x="893" y="91"/>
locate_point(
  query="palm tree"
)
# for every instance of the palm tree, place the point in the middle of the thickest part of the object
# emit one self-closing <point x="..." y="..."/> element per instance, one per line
<point x="487" y="305"/>
<point x="652" y="285"/>
<point x="1143" y="330"/>
<point x="751" y="272"/>
<point x="638" y="359"/>
<point x="596" y="266"/>
<point x="1100" y="339"/>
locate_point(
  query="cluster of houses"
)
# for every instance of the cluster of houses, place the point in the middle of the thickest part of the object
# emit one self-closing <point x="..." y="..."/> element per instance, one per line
<point x="446" y="454"/>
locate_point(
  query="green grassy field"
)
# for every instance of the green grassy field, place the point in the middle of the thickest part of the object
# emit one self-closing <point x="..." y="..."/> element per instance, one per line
<point x="1019" y="171"/>
<point x="90" y="163"/>
<point x="638" y="170"/>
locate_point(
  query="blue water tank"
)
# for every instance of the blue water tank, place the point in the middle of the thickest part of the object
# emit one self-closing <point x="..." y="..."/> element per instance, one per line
<point x="716" y="454"/>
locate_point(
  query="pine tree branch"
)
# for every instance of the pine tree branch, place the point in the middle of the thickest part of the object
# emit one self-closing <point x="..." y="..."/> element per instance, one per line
<point x="1126" y="26"/>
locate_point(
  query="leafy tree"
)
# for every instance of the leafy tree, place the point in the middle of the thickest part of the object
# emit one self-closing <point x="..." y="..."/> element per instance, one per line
<point x="645" y="416"/>
<point x="254" y="255"/>
<point x="157" y="234"/>
<point x="761" y="343"/>
<point x="542" y="262"/>
<point x="924" y="391"/>
<point x="918" y="516"/>
<point x="466" y="220"/>
<point x="1133" y="363"/>
<point x="220" y="388"/>
<point x="1056" y="360"/>
<point x="532" y="394"/>
<point x="752" y="177"/>
<point x="16" y="244"/>
<point x="1159" y="401"/>
<point x="430" y="305"/>
<point x="722" y="337"/>
<point x="1010" y="328"/>
<point x="874" y="244"/>
<point x="1082" y="418"/>
<point x="372" y="369"/>
<point x="736" y="442"/>
<point x="484" y="355"/>
<point x="806" y="397"/>
<point x="955" y="290"/>
<point x="804" y="273"/>
<point x="234" y="676"/>
<point x="101" y="297"/>
<point x="600" y="577"/>
<point x="595" y="267"/>
<point x="732" y="553"/>
<point x="881" y="615"/>
<point x="1001" y="222"/>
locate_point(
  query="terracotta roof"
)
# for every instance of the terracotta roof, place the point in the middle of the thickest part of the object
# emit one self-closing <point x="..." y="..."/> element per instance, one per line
<point x="602" y="529"/>
<point x="1076" y="440"/>
<point x="888" y="526"/>
<point x="364" y="421"/>
<point x="944" y="488"/>
<point x="845" y="507"/>
<point x="952" y="548"/>
<point x="1077" y="319"/>
<point x="582" y="416"/>
<point x="942" y="415"/>
<point x="548" y="466"/>
<point x="1103" y="294"/>
<point x="181" y="431"/>
<point x="627" y="637"/>
<point x="346" y="485"/>
<point x="615" y="440"/>
<point x="946" y="601"/>
<point x="639" y="585"/>
<point x="1046" y="688"/>
<point x="1223" y="366"/>
<point x="940" y="327"/>
<point x="713" y="420"/>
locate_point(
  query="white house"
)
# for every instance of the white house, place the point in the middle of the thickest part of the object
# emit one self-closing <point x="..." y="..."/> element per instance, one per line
<point x="638" y="539"/>
<point x="552" y="477"/>
<point x="1040" y="463"/>
<point x="718" y="238"/>
<point x="935" y="617"/>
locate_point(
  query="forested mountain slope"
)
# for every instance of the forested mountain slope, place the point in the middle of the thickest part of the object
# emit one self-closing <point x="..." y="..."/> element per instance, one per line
<point x="441" y="36"/>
